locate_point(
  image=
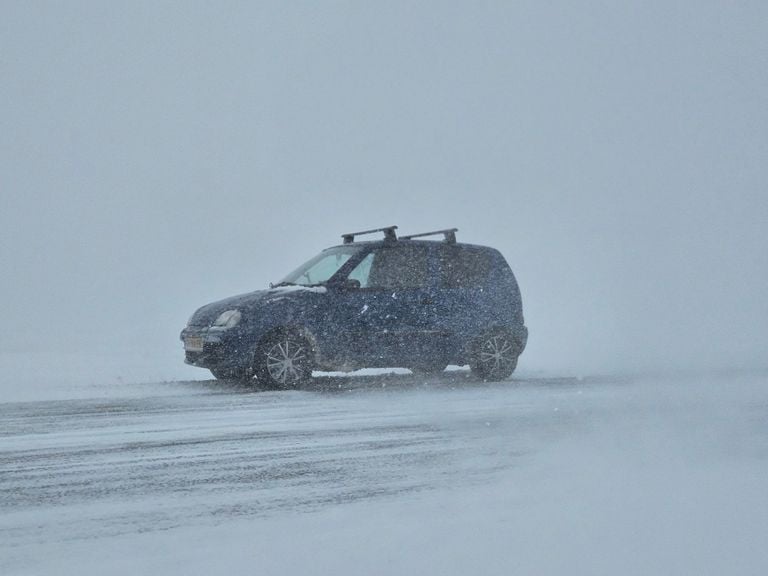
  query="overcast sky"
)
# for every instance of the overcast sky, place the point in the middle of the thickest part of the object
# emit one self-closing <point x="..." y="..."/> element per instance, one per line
<point x="156" y="156"/>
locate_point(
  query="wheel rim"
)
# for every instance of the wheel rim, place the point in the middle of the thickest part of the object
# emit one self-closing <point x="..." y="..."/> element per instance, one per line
<point x="286" y="361"/>
<point x="497" y="355"/>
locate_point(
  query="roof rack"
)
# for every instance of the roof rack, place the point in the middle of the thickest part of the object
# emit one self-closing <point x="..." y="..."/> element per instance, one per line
<point x="389" y="234"/>
<point x="449" y="233"/>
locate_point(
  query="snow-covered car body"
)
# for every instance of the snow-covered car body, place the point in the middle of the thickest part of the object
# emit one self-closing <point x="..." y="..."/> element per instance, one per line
<point x="396" y="302"/>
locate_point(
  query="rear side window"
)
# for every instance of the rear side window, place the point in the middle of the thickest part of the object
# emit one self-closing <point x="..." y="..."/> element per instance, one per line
<point x="393" y="268"/>
<point x="463" y="267"/>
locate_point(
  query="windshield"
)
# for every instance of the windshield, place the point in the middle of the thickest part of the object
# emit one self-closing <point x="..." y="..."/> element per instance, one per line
<point x="320" y="269"/>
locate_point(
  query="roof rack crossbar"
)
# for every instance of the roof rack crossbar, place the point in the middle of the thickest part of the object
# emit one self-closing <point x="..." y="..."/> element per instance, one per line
<point x="449" y="233"/>
<point x="389" y="234"/>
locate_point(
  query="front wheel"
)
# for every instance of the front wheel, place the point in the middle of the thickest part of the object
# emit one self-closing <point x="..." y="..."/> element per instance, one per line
<point x="494" y="356"/>
<point x="283" y="361"/>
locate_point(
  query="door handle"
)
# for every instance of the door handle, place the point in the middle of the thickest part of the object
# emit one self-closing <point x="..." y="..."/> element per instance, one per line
<point x="426" y="300"/>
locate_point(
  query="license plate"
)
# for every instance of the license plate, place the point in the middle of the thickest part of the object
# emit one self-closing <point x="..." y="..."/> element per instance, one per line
<point x="193" y="343"/>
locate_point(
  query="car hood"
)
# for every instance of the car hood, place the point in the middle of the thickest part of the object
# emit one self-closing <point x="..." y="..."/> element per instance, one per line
<point x="207" y="315"/>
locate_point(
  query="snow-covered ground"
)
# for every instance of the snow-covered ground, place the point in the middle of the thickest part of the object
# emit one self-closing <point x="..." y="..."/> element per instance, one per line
<point x="390" y="474"/>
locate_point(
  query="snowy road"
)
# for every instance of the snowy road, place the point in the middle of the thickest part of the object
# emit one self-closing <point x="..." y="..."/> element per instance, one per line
<point x="546" y="458"/>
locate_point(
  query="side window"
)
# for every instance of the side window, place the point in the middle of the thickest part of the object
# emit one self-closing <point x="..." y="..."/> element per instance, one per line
<point x="463" y="268"/>
<point x="362" y="271"/>
<point x="393" y="268"/>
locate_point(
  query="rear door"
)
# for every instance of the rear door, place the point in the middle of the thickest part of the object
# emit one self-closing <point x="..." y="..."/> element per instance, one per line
<point x="463" y="304"/>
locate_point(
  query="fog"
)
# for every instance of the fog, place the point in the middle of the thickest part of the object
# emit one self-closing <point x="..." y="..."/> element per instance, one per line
<point x="157" y="156"/>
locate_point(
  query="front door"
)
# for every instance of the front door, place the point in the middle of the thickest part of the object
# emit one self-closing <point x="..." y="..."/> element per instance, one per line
<point x="390" y="316"/>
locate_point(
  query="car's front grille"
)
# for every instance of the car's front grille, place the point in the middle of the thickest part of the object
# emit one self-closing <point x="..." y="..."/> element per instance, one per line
<point x="212" y="353"/>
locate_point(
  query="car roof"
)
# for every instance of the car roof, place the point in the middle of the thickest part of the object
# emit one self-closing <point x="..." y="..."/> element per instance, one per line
<point x="399" y="243"/>
<point x="392" y="240"/>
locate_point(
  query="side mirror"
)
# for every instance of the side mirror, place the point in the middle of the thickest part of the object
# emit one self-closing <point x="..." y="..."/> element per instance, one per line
<point x="350" y="284"/>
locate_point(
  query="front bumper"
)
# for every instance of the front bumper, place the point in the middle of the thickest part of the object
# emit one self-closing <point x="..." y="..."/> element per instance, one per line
<point x="220" y="348"/>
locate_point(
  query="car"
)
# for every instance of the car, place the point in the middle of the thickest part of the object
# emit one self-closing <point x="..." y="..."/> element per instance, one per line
<point x="409" y="301"/>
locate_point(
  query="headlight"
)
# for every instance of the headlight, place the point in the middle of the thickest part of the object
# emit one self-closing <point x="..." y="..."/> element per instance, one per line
<point x="228" y="319"/>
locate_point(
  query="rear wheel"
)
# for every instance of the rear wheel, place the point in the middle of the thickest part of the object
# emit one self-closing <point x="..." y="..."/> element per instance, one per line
<point x="284" y="360"/>
<point x="494" y="356"/>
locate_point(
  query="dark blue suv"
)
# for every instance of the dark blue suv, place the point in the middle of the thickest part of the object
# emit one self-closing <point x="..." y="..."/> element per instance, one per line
<point x="394" y="302"/>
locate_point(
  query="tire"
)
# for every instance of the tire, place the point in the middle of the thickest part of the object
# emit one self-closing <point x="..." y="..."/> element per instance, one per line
<point x="494" y="356"/>
<point x="284" y="360"/>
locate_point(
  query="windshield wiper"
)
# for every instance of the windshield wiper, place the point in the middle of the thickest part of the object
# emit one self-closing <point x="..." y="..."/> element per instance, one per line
<point x="281" y="284"/>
